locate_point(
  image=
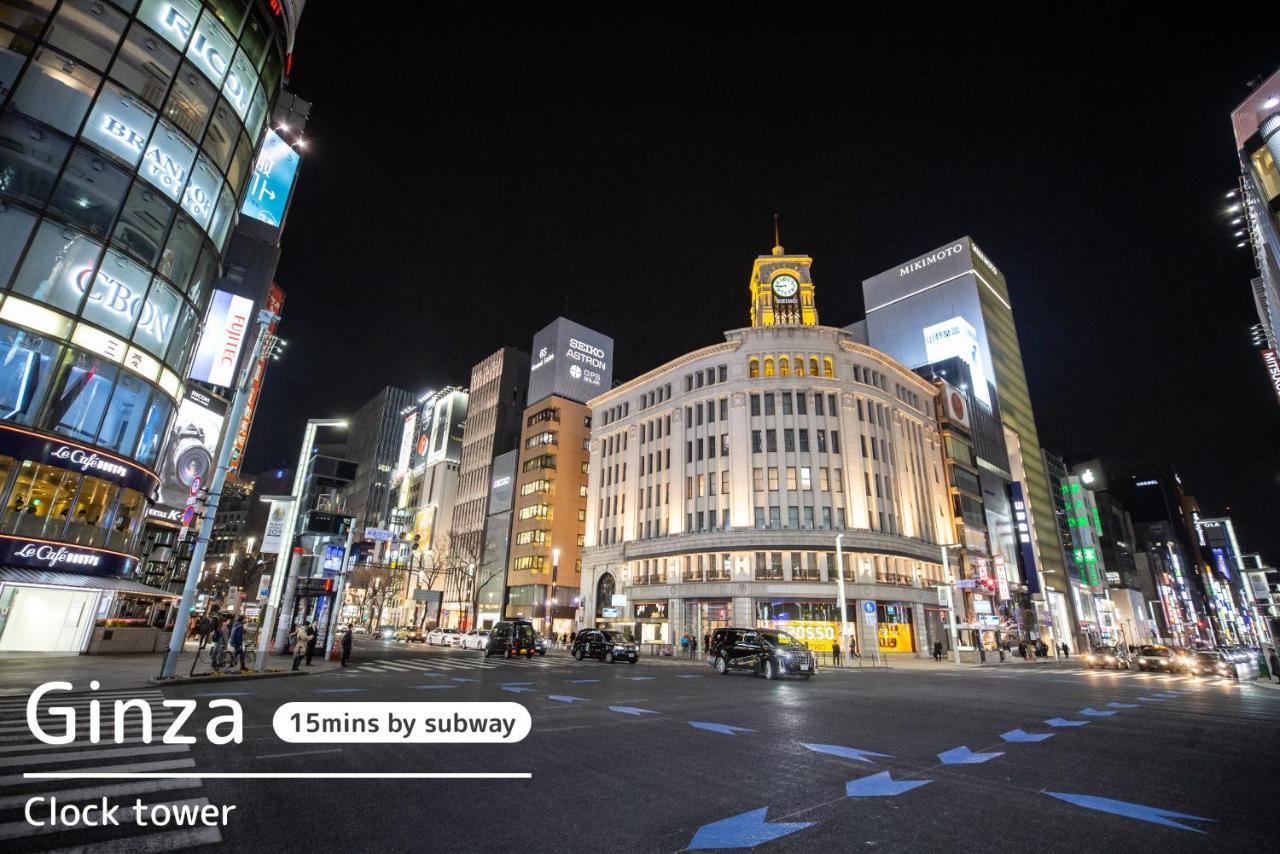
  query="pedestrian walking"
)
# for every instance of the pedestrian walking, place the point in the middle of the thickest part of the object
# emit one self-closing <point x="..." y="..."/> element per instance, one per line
<point x="237" y="640"/>
<point x="835" y="654"/>
<point x="299" y="646"/>
<point x="312" y="634"/>
<point x="1031" y="652"/>
<point x="706" y="641"/>
<point x="1066" y="650"/>
<point x="937" y="651"/>
<point x="204" y="628"/>
<point x="853" y="648"/>
<point x="684" y="645"/>
<point x="346" y="646"/>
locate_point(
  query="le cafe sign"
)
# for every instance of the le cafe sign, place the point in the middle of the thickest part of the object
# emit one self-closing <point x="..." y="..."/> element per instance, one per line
<point x="38" y="554"/>
<point x="69" y="455"/>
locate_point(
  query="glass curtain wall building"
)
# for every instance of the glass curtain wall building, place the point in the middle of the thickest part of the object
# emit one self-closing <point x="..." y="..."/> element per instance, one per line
<point x="127" y="137"/>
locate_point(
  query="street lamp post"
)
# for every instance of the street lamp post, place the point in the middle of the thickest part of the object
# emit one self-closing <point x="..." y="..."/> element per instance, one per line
<point x="555" y="571"/>
<point x="196" y="565"/>
<point x="284" y="593"/>
<point x="951" y="606"/>
<point x="844" y="615"/>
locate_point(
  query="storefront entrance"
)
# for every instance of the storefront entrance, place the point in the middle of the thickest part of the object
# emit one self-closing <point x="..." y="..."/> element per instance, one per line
<point x="45" y="619"/>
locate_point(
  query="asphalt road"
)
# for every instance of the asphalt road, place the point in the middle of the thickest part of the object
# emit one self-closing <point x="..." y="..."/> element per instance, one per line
<point x="642" y="777"/>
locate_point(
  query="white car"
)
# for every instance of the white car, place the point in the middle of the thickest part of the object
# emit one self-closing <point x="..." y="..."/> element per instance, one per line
<point x="477" y="640"/>
<point x="442" y="637"/>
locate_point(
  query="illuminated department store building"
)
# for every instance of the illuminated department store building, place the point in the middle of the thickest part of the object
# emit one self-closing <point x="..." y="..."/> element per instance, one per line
<point x="127" y="138"/>
<point x="720" y="480"/>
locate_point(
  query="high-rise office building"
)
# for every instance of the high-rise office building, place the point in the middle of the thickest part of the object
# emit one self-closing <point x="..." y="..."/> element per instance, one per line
<point x="127" y="140"/>
<point x="953" y="304"/>
<point x="1254" y="213"/>
<point x="373" y="443"/>
<point x="571" y="365"/>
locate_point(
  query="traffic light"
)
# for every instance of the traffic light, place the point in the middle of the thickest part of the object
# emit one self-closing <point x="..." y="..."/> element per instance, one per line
<point x="417" y="541"/>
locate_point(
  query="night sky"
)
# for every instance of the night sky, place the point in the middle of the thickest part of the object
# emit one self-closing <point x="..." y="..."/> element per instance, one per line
<point x="470" y="175"/>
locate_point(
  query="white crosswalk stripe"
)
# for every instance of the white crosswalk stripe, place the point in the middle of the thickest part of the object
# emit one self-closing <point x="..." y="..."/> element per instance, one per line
<point x="20" y="754"/>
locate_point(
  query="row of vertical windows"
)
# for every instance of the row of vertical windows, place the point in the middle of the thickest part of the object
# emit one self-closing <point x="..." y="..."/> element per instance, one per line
<point x="709" y="376"/>
<point x="796" y="403"/>
<point x="766" y="441"/>
<point x="785" y="366"/>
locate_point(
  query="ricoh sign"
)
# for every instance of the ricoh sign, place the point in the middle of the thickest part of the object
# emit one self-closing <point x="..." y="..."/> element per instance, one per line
<point x="570" y="361"/>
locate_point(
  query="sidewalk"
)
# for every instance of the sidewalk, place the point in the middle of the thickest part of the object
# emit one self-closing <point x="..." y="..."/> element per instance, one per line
<point x="22" y="672"/>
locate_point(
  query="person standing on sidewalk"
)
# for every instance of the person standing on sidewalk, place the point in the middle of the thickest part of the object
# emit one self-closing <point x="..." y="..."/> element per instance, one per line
<point x="346" y="646"/>
<point x="693" y="646"/>
<point x="312" y="634"/>
<point x="237" y="640"/>
<point x="299" y="646"/>
<point x="684" y="645"/>
<point x="937" y="651"/>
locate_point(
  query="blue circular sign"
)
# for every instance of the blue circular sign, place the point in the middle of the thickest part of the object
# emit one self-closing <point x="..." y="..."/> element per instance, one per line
<point x="869" y="606"/>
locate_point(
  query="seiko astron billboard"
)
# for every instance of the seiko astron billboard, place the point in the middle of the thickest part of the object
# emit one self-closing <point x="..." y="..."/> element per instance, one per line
<point x="570" y="361"/>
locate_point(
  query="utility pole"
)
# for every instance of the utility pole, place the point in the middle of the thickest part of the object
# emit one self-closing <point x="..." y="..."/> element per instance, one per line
<point x="951" y="593"/>
<point x="240" y="400"/>
<point x="844" y="615"/>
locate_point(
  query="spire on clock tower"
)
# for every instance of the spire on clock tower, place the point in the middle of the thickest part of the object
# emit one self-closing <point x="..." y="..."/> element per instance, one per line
<point x="781" y="288"/>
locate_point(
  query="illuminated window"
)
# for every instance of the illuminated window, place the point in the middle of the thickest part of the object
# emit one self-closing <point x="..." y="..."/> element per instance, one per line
<point x="828" y="369"/>
<point x="753" y="367"/>
<point x="784" y="366"/>
<point x="768" y="366"/>
<point x="799" y="366"/>
<point x="813" y="366"/>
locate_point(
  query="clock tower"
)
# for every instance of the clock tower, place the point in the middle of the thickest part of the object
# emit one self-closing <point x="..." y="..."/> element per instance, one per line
<point x="782" y="290"/>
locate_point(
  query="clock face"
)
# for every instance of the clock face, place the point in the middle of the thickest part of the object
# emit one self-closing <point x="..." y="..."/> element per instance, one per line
<point x="785" y="286"/>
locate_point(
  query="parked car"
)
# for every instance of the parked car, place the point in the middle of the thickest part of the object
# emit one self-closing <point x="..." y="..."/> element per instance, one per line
<point x="540" y="644"/>
<point x="1105" y="657"/>
<point x="606" y="645"/>
<point x="474" y="639"/>
<point x="442" y="637"/>
<point x="1155" y="657"/>
<point x="511" y="638"/>
<point x="1212" y="664"/>
<point x="765" y="652"/>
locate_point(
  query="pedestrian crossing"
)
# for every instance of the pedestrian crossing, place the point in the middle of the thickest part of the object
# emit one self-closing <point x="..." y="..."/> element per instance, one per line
<point x="1112" y="675"/>
<point x="460" y="662"/>
<point x="22" y="752"/>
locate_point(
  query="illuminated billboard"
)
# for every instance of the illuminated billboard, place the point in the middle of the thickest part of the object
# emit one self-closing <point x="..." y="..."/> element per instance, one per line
<point x="570" y="361"/>
<point x="192" y="448"/>
<point x="222" y="339"/>
<point x="272" y="179"/>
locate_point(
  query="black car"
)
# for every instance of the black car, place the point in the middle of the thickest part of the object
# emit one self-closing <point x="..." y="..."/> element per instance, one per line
<point x="770" y="653"/>
<point x="1212" y="664"/>
<point x="511" y="638"/>
<point x="605" y="644"/>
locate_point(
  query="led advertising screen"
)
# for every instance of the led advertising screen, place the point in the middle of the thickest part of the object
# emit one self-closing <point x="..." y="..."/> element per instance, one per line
<point x="192" y="449"/>
<point x="222" y="340"/>
<point x="272" y="179"/>
<point x="570" y="361"/>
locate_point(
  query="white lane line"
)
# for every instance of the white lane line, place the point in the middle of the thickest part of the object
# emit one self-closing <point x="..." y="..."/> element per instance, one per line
<point x="128" y="768"/>
<point x="141" y="787"/>
<point x="19" y="829"/>
<point x="40" y="745"/>
<point x="298" y="753"/>
<point x="154" y="843"/>
<point x="111" y="753"/>
<point x="13" y="733"/>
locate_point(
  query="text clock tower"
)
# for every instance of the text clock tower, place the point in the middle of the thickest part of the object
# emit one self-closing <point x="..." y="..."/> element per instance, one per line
<point x="782" y="290"/>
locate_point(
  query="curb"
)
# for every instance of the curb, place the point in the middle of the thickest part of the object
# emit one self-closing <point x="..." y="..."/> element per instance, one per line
<point x="226" y="677"/>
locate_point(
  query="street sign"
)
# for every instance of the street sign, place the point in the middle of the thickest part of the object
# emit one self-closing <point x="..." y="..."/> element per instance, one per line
<point x="195" y="486"/>
<point x="869" y="606"/>
<point x="966" y="583"/>
<point x="381" y="535"/>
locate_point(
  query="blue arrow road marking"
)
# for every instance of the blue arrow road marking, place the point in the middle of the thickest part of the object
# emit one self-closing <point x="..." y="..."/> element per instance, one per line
<point x="582" y="681"/>
<point x="431" y="687"/>
<point x="1123" y="705"/>
<point x="631" y="710"/>
<point x="565" y="698"/>
<point x="727" y="729"/>
<point x="1017" y="735"/>
<point x="463" y="679"/>
<point x="746" y="830"/>
<point x="1168" y="694"/>
<point x="1142" y="812"/>
<point x="1095" y="713"/>
<point x="965" y="756"/>
<point x="846" y="752"/>
<point x="880" y="785"/>
<point x="1064" y="722"/>
<point x="336" y="690"/>
<point x="639" y="678"/>
<point x="516" y="689"/>
<point x="690" y="676"/>
<point x="1150" y="699"/>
